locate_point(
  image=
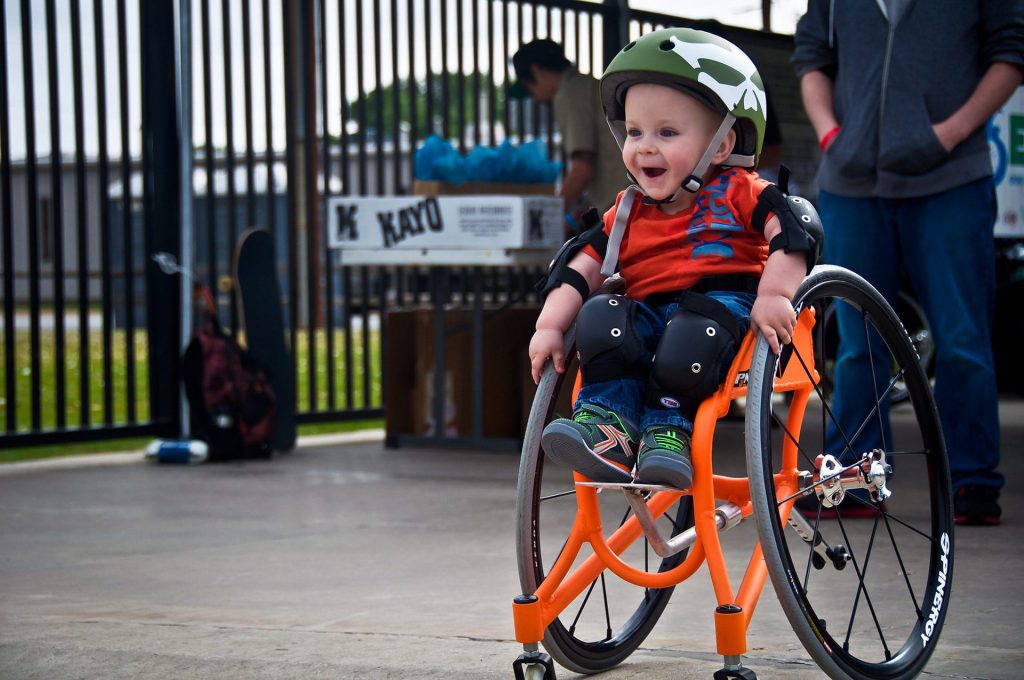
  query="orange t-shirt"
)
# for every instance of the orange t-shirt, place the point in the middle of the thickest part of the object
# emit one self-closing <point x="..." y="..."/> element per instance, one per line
<point x="662" y="253"/>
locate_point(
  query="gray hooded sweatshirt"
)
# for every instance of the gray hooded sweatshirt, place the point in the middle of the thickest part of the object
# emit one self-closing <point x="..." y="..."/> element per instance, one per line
<point x="898" y="67"/>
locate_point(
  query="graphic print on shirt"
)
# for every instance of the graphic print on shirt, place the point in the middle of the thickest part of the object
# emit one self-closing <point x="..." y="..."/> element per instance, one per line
<point x="713" y="224"/>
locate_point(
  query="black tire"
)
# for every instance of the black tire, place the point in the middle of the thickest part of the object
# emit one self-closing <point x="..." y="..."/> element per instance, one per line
<point x="610" y="620"/>
<point x="880" y="615"/>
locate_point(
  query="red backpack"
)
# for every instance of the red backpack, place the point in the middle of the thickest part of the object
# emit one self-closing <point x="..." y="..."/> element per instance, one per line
<point x="231" y="402"/>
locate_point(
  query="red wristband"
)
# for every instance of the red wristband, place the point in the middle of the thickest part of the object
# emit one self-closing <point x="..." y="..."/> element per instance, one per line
<point x="827" y="139"/>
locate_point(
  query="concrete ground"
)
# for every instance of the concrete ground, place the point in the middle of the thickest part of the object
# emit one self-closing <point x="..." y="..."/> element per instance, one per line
<point x="348" y="560"/>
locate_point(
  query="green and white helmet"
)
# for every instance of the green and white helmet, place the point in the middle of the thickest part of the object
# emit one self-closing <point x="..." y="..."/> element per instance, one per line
<point x="704" y="65"/>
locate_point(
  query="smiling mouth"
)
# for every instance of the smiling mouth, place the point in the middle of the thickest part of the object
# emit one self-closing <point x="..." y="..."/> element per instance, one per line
<point x="653" y="172"/>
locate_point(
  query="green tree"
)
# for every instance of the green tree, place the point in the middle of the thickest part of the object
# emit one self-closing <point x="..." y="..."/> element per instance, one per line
<point x="364" y="112"/>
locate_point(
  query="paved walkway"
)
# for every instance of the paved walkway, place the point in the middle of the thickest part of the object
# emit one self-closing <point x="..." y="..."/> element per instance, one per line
<point x="352" y="561"/>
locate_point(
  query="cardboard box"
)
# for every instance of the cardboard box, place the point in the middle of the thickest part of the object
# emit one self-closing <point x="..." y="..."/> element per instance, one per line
<point x="409" y="371"/>
<point x="404" y="223"/>
<point x="433" y="187"/>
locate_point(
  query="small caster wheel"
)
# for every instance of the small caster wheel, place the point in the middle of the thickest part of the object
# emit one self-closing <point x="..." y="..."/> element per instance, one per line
<point x="534" y="666"/>
<point x="735" y="674"/>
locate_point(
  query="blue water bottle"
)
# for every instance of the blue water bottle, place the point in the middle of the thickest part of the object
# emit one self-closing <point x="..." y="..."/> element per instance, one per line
<point x="177" y="451"/>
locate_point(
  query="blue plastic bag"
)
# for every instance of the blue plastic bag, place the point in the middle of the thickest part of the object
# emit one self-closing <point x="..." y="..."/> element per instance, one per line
<point x="436" y="159"/>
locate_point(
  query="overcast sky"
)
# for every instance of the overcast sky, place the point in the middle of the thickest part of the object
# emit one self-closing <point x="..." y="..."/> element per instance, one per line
<point x="745" y="13"/>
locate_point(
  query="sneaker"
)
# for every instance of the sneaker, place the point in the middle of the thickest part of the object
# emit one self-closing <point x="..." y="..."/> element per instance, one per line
<point x="977" y="505"/>
<point x="596" y="443"/>
<point x="665" y="457"/>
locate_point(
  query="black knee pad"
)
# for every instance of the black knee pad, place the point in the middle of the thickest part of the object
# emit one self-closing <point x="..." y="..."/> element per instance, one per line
<point x="607" y="341"/>
<point x="699" y="342"/>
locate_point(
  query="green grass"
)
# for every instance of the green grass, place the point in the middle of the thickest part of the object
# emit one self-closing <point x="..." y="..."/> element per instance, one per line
<point x="119" y="391"/>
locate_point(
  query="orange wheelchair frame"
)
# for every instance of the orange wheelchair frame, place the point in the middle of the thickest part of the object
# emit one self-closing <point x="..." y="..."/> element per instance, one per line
<point x="735" y="609"/>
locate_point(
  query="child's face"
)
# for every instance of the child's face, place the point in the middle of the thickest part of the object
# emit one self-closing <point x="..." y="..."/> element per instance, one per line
<point x="667" y="132"/>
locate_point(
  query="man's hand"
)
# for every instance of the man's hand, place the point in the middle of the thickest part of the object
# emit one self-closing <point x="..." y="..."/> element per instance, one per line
<point x="546" y="343"/>
<point x="773" y="315"/>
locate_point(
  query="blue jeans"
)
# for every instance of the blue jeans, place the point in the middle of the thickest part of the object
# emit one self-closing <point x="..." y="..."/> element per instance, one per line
<point x="626" y="396"/>
<point x="944" y="243"/>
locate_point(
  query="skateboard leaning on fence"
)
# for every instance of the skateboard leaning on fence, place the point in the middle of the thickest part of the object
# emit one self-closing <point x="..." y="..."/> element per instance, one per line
<point x="259" y="298"/>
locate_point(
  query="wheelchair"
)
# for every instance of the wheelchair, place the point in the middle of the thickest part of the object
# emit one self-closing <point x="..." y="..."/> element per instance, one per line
<point x="866" y="597"/>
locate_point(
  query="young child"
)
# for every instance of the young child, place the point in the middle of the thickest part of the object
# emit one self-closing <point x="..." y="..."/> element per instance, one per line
<point x="696" y="253"/>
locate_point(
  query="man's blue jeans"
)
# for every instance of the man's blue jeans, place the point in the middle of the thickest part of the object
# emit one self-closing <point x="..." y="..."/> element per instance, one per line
<point x="944" y="243"/>
<point x="626" y="397"/>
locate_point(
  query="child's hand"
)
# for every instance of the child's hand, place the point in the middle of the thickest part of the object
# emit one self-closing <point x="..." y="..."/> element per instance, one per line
<point x="773" y="315"/>
<point x="546" y="343"/>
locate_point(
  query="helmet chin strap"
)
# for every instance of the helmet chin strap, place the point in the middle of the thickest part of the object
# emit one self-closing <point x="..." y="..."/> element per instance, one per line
<point x="694" y="182"/>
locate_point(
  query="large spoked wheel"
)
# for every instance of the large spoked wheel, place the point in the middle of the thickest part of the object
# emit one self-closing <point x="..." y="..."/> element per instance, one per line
<point x="609" y="620"/>
<point x="916" y="324"/>
<point x="867" y="596"/>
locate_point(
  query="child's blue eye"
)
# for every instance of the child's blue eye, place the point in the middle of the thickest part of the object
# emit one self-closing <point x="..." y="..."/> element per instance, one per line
<point x="633" y="132"/>
<point x="668" y="133"/>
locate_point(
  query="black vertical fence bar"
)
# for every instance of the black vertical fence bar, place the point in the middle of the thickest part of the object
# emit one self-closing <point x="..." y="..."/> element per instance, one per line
<point x="364" y="275"/>
<point x="525" y="101"/>
<point x="324" y="103"/>
<point x="32" y="214"/>
<point x="292" y="169"/>
<point x="445" y="94"/>
<point x="389" y="280"/>
<point x="477" y="68"/>
<point x="57" y="217"/>
<point x="210" y="160"/>
<point x="492" y="73"/>
<point x="312" y="254"/>
<point x="361" y="103"/>
<point x="346" y="111"/>
<point x="81" y="219"/>
<point x="428" y="44"/>
<point x="506" y="119"/>
<point x="161" y="159"/>
<point x="126" y="216"/>
<point x="229" y="150"/>
<point x="460" y="75"/>
<point x="580" y="19"/>
<point x="396" y="116"/>
<point x="346" y="283"/>
<point x="268" y="112"/>
<point x="378" y="117"/>
<point x="413" y="90"/>
<point x="6" y="216"/>
<point x="104" y="214"/>
<point x="326" y="255"/>
<point x="250" y="151"/>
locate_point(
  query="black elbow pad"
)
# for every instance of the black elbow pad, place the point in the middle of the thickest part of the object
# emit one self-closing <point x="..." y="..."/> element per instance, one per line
<point x="560" y="272"/>
<point x="802" y="230"/>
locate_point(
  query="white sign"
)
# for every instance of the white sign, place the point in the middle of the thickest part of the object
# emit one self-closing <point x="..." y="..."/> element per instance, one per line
<point x="1006" y="143"/>
<point x="396" y="223"/>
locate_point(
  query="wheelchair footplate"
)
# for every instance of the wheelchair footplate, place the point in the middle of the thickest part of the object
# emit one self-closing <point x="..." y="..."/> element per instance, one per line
<point x="727" y="516"/>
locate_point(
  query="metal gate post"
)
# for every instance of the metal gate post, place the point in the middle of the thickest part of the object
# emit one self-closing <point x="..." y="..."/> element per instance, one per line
<point x="162" y="195"/>
<point x="616" y="29"/>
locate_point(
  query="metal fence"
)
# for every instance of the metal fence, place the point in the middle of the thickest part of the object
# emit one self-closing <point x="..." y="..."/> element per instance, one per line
<point x="291" y="103"/>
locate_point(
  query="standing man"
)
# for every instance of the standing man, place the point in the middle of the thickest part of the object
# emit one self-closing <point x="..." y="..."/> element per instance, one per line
<point x="898" y="92"/>
<point x="596" y="174"/>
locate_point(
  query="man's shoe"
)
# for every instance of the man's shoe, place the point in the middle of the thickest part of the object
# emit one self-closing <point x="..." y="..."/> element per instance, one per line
<point x="856" y="504"/>
<point x="977" y="505"/>
<point x="665" y="457"/>
<point x="596" y="443"/>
